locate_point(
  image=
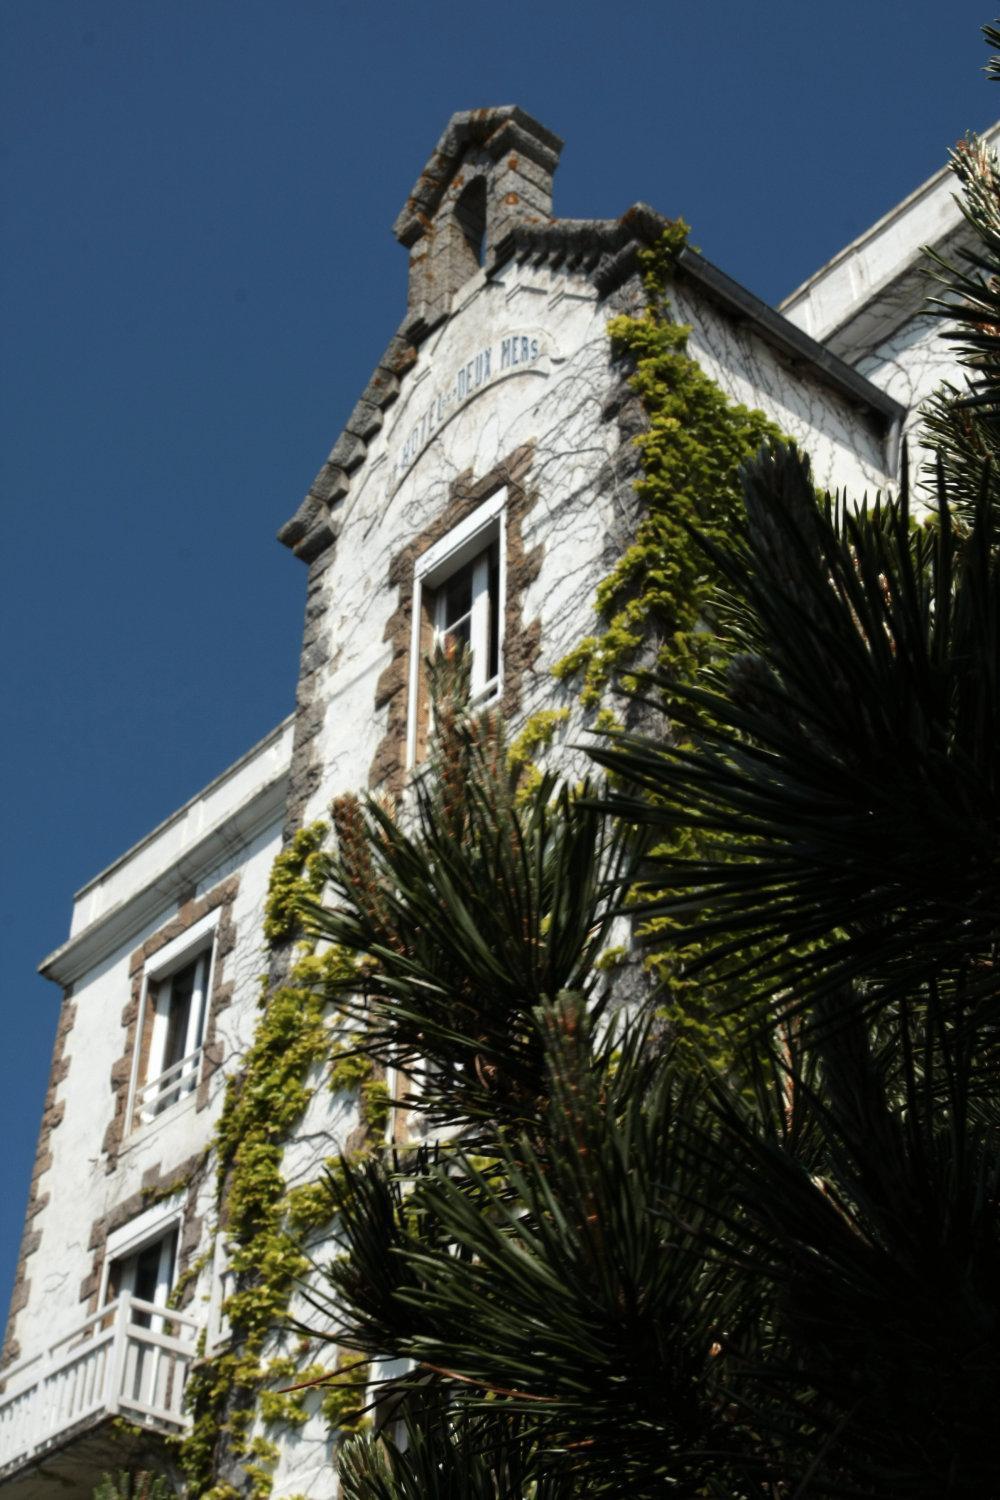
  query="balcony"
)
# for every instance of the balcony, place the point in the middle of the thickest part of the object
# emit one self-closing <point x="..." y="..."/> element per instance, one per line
<point x="167" y="1089"/>
<point x="129" y="1360"/>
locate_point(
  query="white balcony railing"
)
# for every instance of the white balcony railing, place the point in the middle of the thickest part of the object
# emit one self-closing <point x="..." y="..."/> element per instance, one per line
<point x="129" y="1359"/>
<point x="167" y="1088"/>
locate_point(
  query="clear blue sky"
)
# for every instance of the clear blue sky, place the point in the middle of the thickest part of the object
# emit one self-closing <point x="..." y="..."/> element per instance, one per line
<point x="198" y="274"/>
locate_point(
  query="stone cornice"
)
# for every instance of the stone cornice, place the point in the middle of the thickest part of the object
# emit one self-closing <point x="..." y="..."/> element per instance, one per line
<point x="121" y="922"/>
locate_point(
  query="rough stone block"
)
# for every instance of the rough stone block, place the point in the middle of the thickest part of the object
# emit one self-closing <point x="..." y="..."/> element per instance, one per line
<point x="347" y="452"/>
<point x="330" y="485"/>
<point x="391" y="681"/>
<point x="365" y="420"/>
<point x="382" y="388"/>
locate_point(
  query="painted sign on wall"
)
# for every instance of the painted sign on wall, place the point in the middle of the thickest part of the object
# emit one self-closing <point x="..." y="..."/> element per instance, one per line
<point x="509" y="355"/>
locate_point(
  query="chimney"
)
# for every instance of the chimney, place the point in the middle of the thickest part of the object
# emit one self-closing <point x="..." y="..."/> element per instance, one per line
<point x="491" y="169"/>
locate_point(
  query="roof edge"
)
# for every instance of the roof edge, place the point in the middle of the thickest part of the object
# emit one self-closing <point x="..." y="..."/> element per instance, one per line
<point x="606" y="250"/>
<point x="185" y="807"/>
<point x="73" y="958"/>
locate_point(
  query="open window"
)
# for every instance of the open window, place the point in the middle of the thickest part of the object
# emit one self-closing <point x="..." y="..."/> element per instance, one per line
<point x="156" y="1342"/>
<point x="180" y="1021"/>
<point x="146" y="1274"/>
<point x="466" y="613"/>
<point x="174" y="1007"/>
<point x="458" y="601"/>
<point x="141" y="1260"/>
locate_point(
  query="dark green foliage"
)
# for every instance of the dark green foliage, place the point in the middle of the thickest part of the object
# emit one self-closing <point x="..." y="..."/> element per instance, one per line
<point x="448" y="1454"/>
<point x="867" y="1172"/>
<point x="970" y="300"/>
<point x="963" y="421"/>
<point x="471" y="912"/>
<point x="847" y="765"/>
<point x="138" y="1486"/>
<point x="618" y="1381"/>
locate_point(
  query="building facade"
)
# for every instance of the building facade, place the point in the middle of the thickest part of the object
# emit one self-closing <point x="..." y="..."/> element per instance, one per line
<point x="481" y="490"/>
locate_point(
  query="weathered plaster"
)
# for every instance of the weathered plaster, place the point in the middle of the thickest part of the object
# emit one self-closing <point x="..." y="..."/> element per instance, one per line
<point x="521" y="638"/>
<point x="53" y="1113"/>
<point x="80" y="1191"/>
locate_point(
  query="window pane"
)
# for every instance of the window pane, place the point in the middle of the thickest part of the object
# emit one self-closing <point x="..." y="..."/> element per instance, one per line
<point x="147" y="1273"/>
<point x="152" y="1274"/>
<point x="458" y="594"/>
<point x="181" y="990"/>
<point x="458" y="635"/>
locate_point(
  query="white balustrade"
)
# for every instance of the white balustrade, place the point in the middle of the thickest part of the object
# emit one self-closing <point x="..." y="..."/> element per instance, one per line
<point x="167" y="1088"/>
<point x="129" y="1359"/>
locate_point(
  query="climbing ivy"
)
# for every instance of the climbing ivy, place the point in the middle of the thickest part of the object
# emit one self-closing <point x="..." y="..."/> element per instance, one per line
<point x="295" y="868"/>
<point x="655" y="608"/>
<point x="264" y="1220"/>
<point x="659" y="591"/>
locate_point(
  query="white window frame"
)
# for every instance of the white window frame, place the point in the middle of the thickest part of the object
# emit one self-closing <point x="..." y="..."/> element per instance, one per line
<point x="126" y="1243"/>
<point x="486" y="524"/>
<point x="145" y="1103"/>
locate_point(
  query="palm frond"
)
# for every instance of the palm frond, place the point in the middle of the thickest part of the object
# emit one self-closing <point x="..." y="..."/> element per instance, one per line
<point x="447" y="1452"/>
<point x="472" y="910"/>
<point x="870" y="1203"/>
<point x="546" y="1279"/>
<point x="970" y="296"/>
<point x="844" y="775"/>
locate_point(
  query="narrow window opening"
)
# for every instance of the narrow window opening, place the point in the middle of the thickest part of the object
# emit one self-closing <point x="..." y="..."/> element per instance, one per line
<point x="467" y="610"/>
<point x="151" y="1375"/>
<point x="470" y="215"/>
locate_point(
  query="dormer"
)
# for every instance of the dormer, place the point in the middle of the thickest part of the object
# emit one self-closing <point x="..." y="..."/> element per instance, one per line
<point x="492" y="169"/>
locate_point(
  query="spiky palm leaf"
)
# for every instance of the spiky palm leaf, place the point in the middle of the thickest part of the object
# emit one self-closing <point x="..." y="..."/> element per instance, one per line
<point x="846" y="774"/>
<point x="547" y="1282"/>
<point x="142" y="1485"/>
<point x="868" y="1202"/>
<point x="473" y="909"/>
<point x="963" y="421"/>
<point x="446" y="1452"/>
<point x="970" y="297"/>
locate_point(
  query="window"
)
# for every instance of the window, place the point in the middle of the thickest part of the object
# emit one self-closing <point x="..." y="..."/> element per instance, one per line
<point x="141" y="1259"/>
<point x="171" y="1029"/>
<point x="141" y="1265"/>
<point x="466" y="613"/>
<point x="180" y="1021"/>
<point x="458" y="600"/>
<point x="147" y="1274"/>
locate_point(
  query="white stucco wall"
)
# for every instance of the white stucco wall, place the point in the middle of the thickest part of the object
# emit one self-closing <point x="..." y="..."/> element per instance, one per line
<point x="864" y="274"/>
<point x="77" y="1185"/>
<point x="553" y="401"/>
<point x="867" y="303"/>
<point x="847" y="446"/>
